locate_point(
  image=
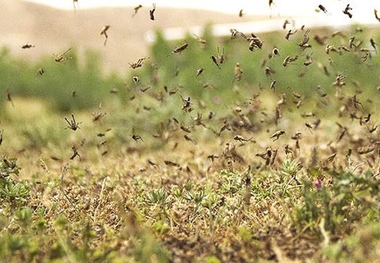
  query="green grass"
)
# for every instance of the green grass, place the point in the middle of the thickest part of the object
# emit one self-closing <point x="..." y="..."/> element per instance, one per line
<point x="152" y="177"/>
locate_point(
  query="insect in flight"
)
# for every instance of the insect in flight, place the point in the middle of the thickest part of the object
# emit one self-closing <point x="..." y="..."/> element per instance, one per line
<point x="62" y="56"/>
<point x="136" y="9"/>
<point x="324" y="10"/>
<point x="104" y="32"/>
<point x="73" y="124"/>
<point x="27" y="46"/>
<point x="180" y="48"/>
<point x="376" y="14"/>
<point x="347" y="10"/>
<point x="151" y="12"/>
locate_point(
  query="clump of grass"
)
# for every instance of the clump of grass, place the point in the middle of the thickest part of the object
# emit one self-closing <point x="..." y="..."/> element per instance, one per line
<point x="340" y="203"/>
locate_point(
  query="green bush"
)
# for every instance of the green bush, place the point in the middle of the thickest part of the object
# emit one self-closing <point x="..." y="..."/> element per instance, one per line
<point x="66" y="85"/>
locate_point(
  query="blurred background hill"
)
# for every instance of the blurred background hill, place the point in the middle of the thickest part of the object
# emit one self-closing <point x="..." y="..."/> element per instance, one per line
<point x="52" y="31"/>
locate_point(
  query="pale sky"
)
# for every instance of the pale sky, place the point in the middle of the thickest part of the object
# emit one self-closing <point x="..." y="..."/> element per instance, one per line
<point x="362" y="10"/>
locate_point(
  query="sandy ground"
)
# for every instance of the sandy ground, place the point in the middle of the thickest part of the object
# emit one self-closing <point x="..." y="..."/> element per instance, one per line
<point x="53" y="31"/>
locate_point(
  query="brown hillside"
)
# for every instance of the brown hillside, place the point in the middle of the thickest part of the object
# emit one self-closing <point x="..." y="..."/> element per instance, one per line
<point x="52" y="31"/>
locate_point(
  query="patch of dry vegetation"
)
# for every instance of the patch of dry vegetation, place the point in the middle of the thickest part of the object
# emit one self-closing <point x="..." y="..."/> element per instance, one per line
<point x="234" y="163"/>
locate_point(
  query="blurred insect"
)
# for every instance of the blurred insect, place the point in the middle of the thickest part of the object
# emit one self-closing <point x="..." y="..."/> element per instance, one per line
<point x="136" y="9"/>
<point x="185" y="129"/>
<point x="135" y="79"/>
<point x="347" y="10"/>
<point x="373" y="44"/>
<point x="353" y="44"/>
<point x="376" y="15"/>
<point x="367" y="54"/>
<point x="373" y="128"/>
<point x="41" y="71"/>
<point x="226" y="127"/>
<point x="137" y="64"/>
<point x="342" y="133"/>
<point x="171" y="163"/>
<point x="27" y="46"/>
<point x="308" y="114"/>
<point x="102" y="143"/>
<point x="273" y="84"/>
<point x="62" y="56"/>
<point x="241" y="13"/>
<point x="357" y="103"/>
<point x="104" y="32"/>
<point x="328" y="160"/>
<point x="9" y="98"/>
<point x="330" y="48"/>
<point x="115" y="91"/>
<point x="96" y="116"/>
<point x="289" y="60"/>
<point x="365" y="119"/>
<point x="145" y="89"/>
<point x="212" y="157"/>
<point x="186" y="104"/>
<point x="199" y="72"/>
<point x="288" y="150"/>
<point x="290" y="32"/>
<point x="180" y="48"/>
<point x="151" y="12"/>
<point x="339" y="80"/>
<point x="216" y="61"/>
<point x="365" y="149"/>
<point x="309" y="60"/>
<point x="1" y="137"/>
<point x="304" y="43"/>
<point x="188" y="138"/>
<point x="254" y="42"/>
<point x="102" y="134"/>
<point x="269" y="71"/>
<point x="235" y="33"/>
<point x="221" y="56"/>
<point x="324" y="68"/>
<point x="275" y="52"/>
<point x="241" y="139"/>
<point x="320" y="40"/>
<point x="200" y="40"/>
<point x="296" y="95"/>
<point x="282" y="100"/>
<point x="277" y="135"/>
<point x="75" y="4"/>
<point x="267" y="155"/>
<point x="75" y="152"/>
<point x="287" y="22"/>
<point x="173" y="91"/>
<point x="344" y="48"/>
<point x="309" y="126"/>
<point x="324" y="10"/>
<point x="272" y="3"/>
<point x="136" y="137"/>
<point x="73" y="125"/>
<point x="238" y="72"/>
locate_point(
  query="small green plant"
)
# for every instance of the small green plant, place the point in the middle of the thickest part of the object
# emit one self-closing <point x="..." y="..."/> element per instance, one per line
<point x="11" y="190"/>
<point x="8" y="167"/>
<point x="349" y="199"/>
<point x="231" y="182"/>
<point x="289" y="169"/>
<point x="157" y="196"/>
